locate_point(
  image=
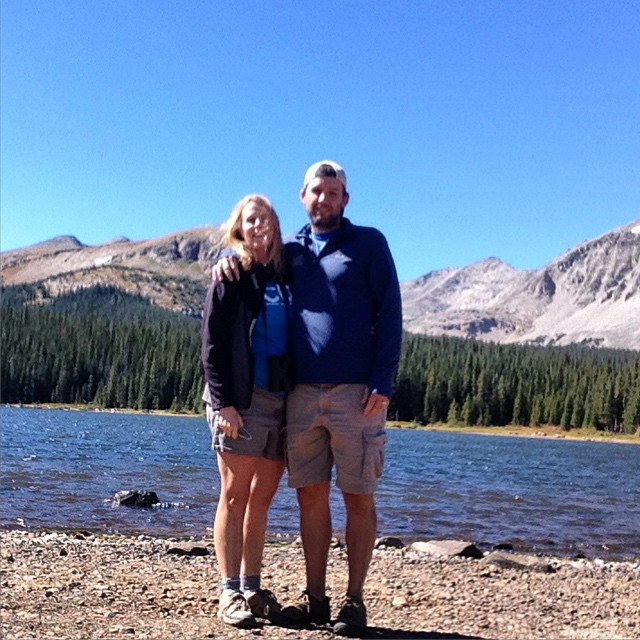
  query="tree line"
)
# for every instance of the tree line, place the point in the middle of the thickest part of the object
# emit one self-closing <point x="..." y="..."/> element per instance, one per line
<point x="472" y="383"/>
<point x="55" y="357"/>
<point x="107" y="349"/>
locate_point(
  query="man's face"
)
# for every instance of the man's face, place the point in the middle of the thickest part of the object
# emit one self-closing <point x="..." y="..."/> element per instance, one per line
<point x="324" y="198"/>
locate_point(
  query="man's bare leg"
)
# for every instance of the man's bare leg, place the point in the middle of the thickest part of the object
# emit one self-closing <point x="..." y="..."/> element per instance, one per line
<point x="360" y="537"/>
<point x="315" y="530"/>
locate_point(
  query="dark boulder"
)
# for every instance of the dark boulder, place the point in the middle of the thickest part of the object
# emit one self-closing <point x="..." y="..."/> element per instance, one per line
<point x="142" y="499"/>
<point x="188" y="550"/>
<point x="389" y="542"/>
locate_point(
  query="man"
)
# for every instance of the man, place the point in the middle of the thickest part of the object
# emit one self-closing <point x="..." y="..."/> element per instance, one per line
<point x="347" y="333"/>
<point x="347" y="336"/>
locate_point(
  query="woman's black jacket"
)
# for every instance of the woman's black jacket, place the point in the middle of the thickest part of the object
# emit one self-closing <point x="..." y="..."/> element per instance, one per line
<point x="230" y="312"/>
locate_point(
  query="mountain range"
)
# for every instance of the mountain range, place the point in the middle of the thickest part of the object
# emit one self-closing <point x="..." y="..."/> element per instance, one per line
<point x="589" y="295"/>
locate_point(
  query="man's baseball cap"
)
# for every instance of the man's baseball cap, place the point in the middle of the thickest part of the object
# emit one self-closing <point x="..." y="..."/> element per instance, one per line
<point x="325" y="168"/>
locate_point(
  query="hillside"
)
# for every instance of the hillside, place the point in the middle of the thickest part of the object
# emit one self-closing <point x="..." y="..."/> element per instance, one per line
<point x="172" y="272"/>
<point x="588" y="295"/>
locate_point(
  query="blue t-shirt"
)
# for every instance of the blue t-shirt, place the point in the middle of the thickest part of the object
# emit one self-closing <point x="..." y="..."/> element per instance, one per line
<point x="270" y="334"/>
<point x="319" y="241"/>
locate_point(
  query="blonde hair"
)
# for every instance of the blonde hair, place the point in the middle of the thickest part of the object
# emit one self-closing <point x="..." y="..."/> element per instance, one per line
<point x="233" y="239"/>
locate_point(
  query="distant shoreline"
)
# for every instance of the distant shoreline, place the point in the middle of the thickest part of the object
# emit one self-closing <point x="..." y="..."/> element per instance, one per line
<point x="519" y="431"/>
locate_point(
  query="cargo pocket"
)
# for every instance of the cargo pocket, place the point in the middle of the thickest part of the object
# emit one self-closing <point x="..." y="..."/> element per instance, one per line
<point x="373" y="459"/>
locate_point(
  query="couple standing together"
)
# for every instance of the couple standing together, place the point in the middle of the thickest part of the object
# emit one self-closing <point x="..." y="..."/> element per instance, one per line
<point x="328" y="299"/>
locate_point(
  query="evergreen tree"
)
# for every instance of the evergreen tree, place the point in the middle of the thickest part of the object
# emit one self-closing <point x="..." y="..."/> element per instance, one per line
<point x="453" y="415"/>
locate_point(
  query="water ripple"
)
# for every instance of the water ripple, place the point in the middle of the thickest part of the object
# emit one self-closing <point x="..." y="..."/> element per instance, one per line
<point x="559" y="497"/>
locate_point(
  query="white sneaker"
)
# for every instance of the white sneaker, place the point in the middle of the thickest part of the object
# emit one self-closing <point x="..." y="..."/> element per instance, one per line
<point x="234" y="610"/>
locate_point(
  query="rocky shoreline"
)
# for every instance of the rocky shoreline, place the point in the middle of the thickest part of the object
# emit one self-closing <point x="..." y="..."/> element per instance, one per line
<point x="76" y="585"/>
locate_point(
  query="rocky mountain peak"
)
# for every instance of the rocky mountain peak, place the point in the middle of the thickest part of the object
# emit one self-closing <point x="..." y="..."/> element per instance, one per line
<point x="590" y="294"/>
<point x="118" y="240"/>
<point x="58" y="243"/>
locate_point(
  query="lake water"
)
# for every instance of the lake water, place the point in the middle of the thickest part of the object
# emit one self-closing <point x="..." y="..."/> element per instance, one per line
<point x="559" y="497"/>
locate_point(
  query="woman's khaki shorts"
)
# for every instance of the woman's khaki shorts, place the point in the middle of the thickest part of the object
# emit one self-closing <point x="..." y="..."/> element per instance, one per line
<point x="262" y="434"/>
<point x="326" y="426"/>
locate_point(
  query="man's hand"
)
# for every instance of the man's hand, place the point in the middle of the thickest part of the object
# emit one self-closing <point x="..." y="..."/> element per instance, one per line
<point x="230" y="421"/>
<point x="374" y="403"/>
<point x="226" y="268"/>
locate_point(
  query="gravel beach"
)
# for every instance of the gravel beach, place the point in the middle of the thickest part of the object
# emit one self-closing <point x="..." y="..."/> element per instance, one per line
<point x="80" y="585"/>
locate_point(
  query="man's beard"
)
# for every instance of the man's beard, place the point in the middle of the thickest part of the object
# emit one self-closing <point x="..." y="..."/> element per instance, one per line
<point x="327" y="223"/>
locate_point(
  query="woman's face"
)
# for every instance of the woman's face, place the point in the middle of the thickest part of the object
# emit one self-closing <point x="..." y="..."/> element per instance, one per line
<point x="257" y="227"/>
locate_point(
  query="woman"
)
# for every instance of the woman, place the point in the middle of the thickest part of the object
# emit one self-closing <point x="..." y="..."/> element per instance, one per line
<point x="244" y="355"/>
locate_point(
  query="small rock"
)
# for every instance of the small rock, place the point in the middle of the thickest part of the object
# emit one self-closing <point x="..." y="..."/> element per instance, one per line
<point x="389" y="542"/>
<point x="448" y="548"/>
<point x="517" y="561"/>
<point x="399" y="601"/>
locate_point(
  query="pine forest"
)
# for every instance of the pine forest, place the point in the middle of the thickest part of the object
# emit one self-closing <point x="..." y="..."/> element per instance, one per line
<point x="104" y="349"/>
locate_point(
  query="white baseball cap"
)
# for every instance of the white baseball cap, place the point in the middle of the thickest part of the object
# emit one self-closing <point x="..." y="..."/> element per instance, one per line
<point x="325" y="168"/>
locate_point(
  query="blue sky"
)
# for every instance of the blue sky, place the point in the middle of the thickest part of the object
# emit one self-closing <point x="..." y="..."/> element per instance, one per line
<point x="467" y="129"/>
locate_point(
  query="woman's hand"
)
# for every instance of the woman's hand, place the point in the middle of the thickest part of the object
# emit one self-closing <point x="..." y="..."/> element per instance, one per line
<point x="230" y="421"/>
